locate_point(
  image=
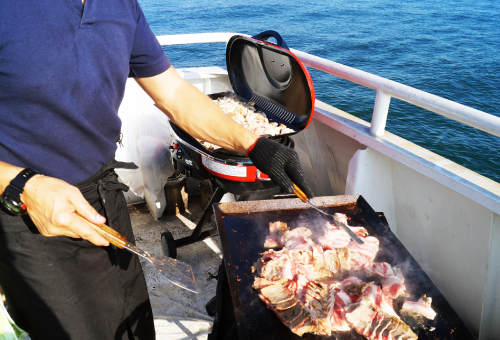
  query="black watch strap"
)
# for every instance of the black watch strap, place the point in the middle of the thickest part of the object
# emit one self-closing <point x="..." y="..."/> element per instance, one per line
<point x="11" y="197"/>
<point x="20" y="180"/>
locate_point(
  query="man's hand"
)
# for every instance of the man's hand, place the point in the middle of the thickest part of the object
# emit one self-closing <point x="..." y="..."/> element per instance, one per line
<point x="52" y="205"/>
<point x="281" y="164"/>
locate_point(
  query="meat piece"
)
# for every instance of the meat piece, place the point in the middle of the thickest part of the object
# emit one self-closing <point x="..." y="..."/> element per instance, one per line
<point x="259" y="283"/>
<point x="298" y="239"/>
<point x="420" y="308"/>
<point x="382" y="269"/>
<point x="360" y="315"/>
<point x="359" y="231"/>
<point x="372" y="323"/>
<point x="288" y="309"/>
<point x="307" y="325"/>
<point x="363" y="254"/>
<point x="392" y="278"/>
<point x="393" y="286"/>
<point x="336" y="310"/>
<point x="341" y="217"/>
<point x="276" y="294"/>
<point x="331" y="263"/>
<point x="321" y="268"/>
<point x="288" y="315"/>
<point x="334" y="238"/>
<point x="377" y="298"/>
<point x="245" y="114"/>
<point x="342" y="299"/>
<point x="304" y="257"/>
<point x="276" y="231"/>
<point x="351" y="280"/>
<point x="317" y="301"/>
<point x="298" y="286"/>
<point x="276" y="266"/>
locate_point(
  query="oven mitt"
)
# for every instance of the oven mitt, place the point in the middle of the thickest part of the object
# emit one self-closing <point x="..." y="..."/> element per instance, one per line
<point x="280" y="163"/>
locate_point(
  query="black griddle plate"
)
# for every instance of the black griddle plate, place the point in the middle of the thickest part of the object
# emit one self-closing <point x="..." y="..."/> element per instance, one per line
<point x="243" y="227"/>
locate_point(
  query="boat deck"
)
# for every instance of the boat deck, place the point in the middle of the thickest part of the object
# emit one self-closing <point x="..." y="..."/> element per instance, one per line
<point x="179" y="314"/>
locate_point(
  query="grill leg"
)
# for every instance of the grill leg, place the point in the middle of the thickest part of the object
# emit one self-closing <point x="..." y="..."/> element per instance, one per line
<point x="197" y="234"/>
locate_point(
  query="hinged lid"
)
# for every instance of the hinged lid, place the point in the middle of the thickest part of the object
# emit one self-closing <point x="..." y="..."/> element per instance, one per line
<point x="272" y="77"/>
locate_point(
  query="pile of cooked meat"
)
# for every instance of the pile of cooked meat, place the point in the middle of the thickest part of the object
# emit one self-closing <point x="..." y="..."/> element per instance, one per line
<point x="312" y="286"/>
<point x="245" y="114"/>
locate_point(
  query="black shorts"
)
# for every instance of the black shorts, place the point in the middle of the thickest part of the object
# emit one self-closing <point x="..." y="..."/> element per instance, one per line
<point x="65" y="288"/>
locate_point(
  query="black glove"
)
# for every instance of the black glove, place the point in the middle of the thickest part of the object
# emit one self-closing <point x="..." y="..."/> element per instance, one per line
<point x="281" y="164"/>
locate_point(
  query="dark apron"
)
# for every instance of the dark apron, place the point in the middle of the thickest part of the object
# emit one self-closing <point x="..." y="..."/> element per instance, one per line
<point x="65" y="288"/>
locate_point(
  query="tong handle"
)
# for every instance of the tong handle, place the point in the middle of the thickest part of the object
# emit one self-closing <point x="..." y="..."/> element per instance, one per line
<point x="300" y="194"/>
<point x="108" y="233"/>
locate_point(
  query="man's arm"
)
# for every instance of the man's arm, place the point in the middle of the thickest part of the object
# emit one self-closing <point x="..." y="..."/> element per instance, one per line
<point x="195" y="112"/>
<point x="52" y="205"/>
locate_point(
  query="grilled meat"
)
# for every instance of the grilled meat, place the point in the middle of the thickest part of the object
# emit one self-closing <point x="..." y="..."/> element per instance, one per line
<point x="373" y="323"/>
<point x="420" y="308"/>
<point x="392" y="278"/>
<point x="311" y="289"/>
<point x="276" y="232"/>
<point x="288" y="309"/>
<point x="245" y="114"/>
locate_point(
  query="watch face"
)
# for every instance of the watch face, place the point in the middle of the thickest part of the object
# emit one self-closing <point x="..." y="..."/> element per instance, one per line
<point x="12" y="203"/>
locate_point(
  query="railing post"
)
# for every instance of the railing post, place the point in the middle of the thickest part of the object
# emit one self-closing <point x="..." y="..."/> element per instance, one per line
<point x="380" y="111"/>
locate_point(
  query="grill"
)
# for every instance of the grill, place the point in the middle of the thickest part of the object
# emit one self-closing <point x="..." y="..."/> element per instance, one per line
<point x="278" y="83"/>
<point x="243" y="226"/>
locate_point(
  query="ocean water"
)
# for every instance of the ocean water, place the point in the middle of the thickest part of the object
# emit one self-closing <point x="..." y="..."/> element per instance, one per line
<point x="450" y="48"/>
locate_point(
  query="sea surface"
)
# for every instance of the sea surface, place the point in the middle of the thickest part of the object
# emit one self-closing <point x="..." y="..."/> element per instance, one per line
<point x="450" y="48"/>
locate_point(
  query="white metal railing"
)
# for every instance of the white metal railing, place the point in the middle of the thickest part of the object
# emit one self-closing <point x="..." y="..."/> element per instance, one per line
<point x="385" y="88"/>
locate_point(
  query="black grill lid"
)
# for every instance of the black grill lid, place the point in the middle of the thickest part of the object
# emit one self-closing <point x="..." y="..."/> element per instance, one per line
<point x="272" y="77"/>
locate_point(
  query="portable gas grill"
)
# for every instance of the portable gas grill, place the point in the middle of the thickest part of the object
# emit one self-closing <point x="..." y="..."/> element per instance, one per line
<point x="280" y="86"/>
<point x="243" y="226"/>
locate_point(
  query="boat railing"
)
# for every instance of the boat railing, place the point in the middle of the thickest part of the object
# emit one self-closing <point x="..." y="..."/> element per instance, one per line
<point x="385" y="88"/>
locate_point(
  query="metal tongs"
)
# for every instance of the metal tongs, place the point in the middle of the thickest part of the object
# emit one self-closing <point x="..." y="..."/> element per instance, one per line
<point x="303" y="197"/>
<point x="177" y="272"/>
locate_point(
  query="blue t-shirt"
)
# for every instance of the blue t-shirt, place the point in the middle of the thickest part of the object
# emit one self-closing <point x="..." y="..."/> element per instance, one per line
<point x="63" y="68"/>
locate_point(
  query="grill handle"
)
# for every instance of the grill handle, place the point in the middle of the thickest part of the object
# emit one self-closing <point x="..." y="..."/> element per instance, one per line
<point x="268" y="34"/>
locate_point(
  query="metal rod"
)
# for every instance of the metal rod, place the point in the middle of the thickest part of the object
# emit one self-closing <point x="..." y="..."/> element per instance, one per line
<point x="216" y="197"/>
<point x="187" y="240"/>
<point x="380" y="112"/>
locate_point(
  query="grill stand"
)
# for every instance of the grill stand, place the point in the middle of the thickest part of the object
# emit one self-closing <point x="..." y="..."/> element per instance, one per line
<point x="246" y="191"/>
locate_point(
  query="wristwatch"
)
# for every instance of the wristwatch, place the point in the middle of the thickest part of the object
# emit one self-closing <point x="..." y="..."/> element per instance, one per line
<point x="11" y="197"/>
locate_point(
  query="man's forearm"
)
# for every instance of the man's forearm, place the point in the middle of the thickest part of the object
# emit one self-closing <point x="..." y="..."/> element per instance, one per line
<point x="195" y="112"/>
<point x="7" y="174"/>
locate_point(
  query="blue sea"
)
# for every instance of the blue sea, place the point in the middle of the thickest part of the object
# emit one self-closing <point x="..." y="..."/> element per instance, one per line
<point x="450" y="48"/>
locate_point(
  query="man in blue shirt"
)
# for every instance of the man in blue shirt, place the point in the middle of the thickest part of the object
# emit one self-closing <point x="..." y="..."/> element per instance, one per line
<point x="63" y="68"/>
